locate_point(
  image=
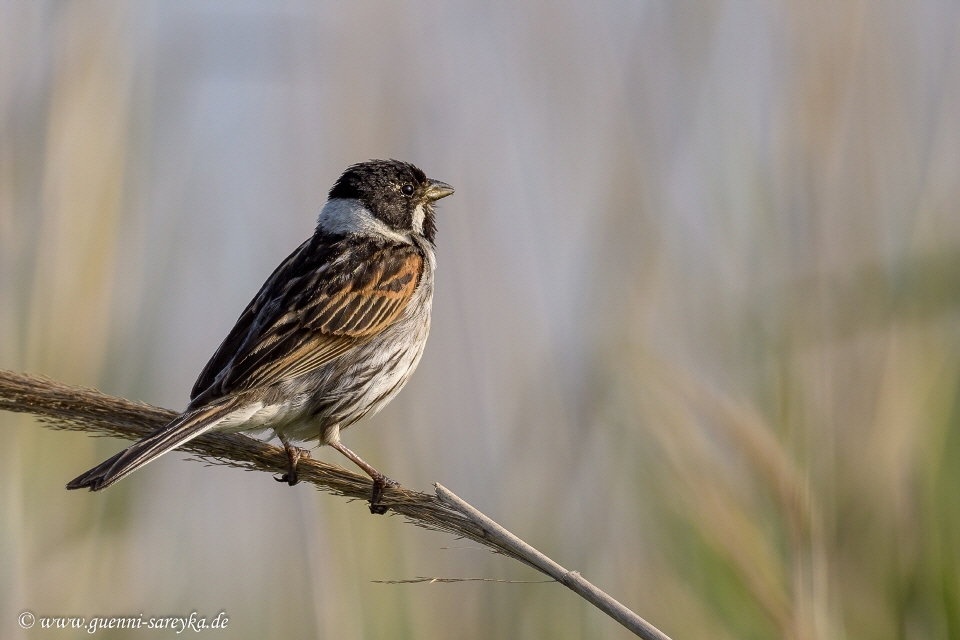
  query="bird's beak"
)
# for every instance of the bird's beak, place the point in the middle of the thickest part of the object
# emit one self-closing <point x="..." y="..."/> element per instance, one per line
<point x="437" y="190"/>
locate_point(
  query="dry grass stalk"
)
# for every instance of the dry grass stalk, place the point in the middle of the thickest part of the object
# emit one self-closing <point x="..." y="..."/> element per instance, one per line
<point x="65" y="407"/>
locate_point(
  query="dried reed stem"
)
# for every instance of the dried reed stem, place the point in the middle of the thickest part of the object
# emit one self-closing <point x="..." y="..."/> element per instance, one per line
<point x="60" y="406"/>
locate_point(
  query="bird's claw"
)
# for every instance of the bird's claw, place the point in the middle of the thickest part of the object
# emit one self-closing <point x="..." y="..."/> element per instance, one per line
<point x="293" y="457"/>
<point x="379" y="484"/>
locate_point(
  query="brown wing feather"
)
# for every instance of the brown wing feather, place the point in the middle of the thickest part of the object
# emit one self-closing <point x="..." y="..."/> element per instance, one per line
<point x="323" y="301"/>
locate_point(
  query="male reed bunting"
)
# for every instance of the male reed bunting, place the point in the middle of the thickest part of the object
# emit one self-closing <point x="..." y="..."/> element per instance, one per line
<point x="333" y="335"/>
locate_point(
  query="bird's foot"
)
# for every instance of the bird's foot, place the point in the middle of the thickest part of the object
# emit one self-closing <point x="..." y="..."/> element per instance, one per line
<point x="380" y="482"/>
<point x="293" y="457"/>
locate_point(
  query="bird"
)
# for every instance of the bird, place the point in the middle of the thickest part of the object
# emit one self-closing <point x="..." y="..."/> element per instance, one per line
<point x="332" y="336"/>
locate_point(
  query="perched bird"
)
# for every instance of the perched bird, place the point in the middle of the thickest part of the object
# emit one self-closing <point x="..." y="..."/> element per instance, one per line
<point x="333" y="335"/>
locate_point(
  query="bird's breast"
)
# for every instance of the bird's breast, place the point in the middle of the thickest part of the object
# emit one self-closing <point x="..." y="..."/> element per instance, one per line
<point x="365" y="379"/>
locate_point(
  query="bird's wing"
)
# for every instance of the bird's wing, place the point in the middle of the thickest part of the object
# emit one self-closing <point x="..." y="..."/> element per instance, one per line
<point x="323" y="300"/>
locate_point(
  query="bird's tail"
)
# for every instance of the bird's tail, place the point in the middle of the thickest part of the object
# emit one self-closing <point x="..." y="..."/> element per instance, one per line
<point x="180" y="430"/>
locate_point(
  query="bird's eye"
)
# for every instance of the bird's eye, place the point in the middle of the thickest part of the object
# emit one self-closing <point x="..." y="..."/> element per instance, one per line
<point x="407" y="189"/>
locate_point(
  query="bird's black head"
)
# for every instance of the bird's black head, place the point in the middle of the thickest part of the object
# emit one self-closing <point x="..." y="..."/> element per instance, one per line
<point x="397" y="193"/>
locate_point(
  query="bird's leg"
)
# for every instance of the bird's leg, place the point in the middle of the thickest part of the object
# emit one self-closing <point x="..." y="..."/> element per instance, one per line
<point x="293" y="457"/>
<point x="380" y="481"/>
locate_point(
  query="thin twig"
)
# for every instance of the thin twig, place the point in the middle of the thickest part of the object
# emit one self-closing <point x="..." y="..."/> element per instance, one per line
<point x="430" y="580"/>
<point x="64" y="407"/>
<point x="496" y="536"/>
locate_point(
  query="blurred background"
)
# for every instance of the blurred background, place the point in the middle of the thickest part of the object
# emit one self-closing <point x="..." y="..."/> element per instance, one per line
<point x="696" y="328"/>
